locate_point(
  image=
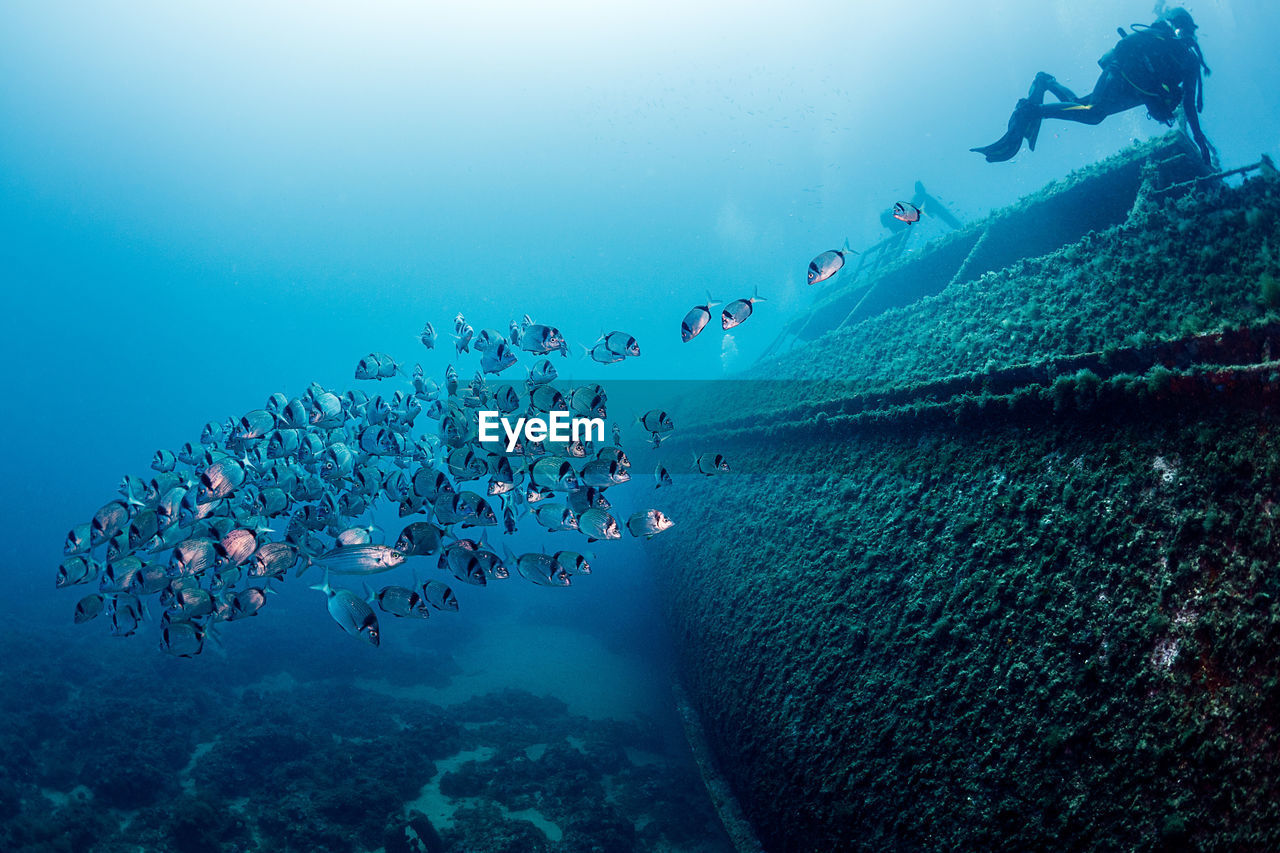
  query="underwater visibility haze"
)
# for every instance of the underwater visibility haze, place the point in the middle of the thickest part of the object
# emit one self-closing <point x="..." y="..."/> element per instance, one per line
<point x="269" y="262"/>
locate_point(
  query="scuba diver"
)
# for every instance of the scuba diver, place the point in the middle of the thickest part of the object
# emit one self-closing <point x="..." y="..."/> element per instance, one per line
<point x="1157" y="66"/>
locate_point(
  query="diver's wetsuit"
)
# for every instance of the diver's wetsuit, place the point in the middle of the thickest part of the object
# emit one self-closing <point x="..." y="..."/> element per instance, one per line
<point x="1156" y="67"/>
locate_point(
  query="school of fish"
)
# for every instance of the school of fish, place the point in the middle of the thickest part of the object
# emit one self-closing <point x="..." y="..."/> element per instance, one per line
<point x="226" y="519"/>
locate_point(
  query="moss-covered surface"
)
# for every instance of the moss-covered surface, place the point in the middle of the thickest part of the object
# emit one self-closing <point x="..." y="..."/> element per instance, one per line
<point x="1048" y="618"/>
<point x="1180" y="265"/>
<point x="1002" y="638"/>
<point x="97" y="759"/>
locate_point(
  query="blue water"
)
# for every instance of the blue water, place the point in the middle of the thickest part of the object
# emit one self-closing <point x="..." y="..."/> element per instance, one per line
<point x="202" y="204"/>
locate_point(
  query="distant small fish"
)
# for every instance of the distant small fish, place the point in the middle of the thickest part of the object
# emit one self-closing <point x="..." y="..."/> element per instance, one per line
<point x="621" y="343"/>
<point x="601" y="354"/>
<point x="463" y="335"/>
<point x="107" y="522"/>
<point x="439" y="595"/>
<point x="598" y="524"/>
<point x="355" y="536"/>
<point x="573" y="563"/>
<point x="89" y="607"/>
<point x="273" y="559"/>
<point x="656" y="420"/>
<point x="247" y="602"/>
<point x="536" y="493"/>
<point x="497" y="358"/>
<point x="400" y="601"/>
<point x="377" y="365"/>
<point x="905" y="211"/>
<point x="541" y="373"/>
<point x="662" y="476"/>
<point x="182" y="639"/>
<point x="710" y="464"/>
<point x="696" y="320"/>
<point x="428" y="336"/>
<point x="76" y="570"/>
<point x="542" y="340"/>
<point x="648" y="523"/>
<point x="552" y="473"/>
<point x="737" y="311"/>
<point x="360" y="559"/>
<point x="352" y="613"/>
<point x="418" y="539"/>
<point x="541" y="569"/>
<point x="77" y="541"/>
<point x="556" y="516"/>
<point x="828" y="263"/>
<point x="586" y="497"/>
<point x="164" y="461"/>
<point x="603" y="473"/>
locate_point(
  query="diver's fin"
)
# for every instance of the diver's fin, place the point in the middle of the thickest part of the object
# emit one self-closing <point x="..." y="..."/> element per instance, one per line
<point x="1007" y="146"/>
<point x="1032" y="133"/>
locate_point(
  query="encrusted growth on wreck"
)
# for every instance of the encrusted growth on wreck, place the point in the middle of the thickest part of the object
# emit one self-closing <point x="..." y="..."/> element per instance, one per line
<point x="1001" y="572"/>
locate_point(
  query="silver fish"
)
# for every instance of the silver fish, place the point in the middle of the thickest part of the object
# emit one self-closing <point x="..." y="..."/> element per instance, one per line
<point x="541" y="373"/>
<point x="662" y="476"/>
<point x="400" y="601"/>
<point x="737" y="311"/>
<point x="696" y="320"/>
<point x="710" y="464"/>
<point x="601" y="354"/>
<point x="603" y="473"/>
<point x="656" y="420"/>
<point x="573" y="563"/>
<point x="439" y="595"/>
<point x="828" y="264"/>
<point x="418" y="539"/>
<point x="554" y="517"/>
<point x="77" y="541"/>
<point x="192" y="557"/>
<point x="109" y="520"/>
<point x="88" y="608"/>
<point x="541" y="569"/>
<point x="497" y="359"/>
<point x="76" y="570"/>
<point x="621" y="343"/>
<point x="273" y="559"/>
<point x="428" y="336"/>
<point x="598" y="524"/>
<point x="237" y="545"/>
<point x="648" y="523"/>
<point x="247" y="602"/>
<point x="360" y="559"/>
<point x="352" y="613"/>
<point x="164" y="461"/>
<point x="182" y="638"/>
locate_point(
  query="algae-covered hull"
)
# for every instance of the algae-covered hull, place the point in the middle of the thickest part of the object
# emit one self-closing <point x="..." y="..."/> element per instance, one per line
<point x="1007" y="576"/>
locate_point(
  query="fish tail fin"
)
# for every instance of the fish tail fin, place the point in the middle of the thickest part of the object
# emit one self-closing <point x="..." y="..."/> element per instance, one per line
<point x="508" y="558"/>
<point x="847" y="249"/>
<point x="711" y="301"/>
<point x="324" y="587"/>
<point x="755" y="294"/>
<point x="209" y="633"/>
<point x="586" y="350"/>
<point x="368" y="593"/>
